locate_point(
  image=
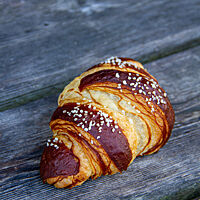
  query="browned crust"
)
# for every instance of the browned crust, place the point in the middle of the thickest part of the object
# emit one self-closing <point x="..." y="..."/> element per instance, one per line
<point x="114" y="142"/>
<point x="58" y="160"/>
<point x="109" y="78"/>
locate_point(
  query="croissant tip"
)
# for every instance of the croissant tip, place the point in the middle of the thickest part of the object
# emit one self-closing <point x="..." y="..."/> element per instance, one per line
<point x="55" y="158"/>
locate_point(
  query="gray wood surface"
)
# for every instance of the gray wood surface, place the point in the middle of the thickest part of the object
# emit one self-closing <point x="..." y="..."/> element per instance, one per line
<point x="44" y="44"/>
<point x="172" y="173"/>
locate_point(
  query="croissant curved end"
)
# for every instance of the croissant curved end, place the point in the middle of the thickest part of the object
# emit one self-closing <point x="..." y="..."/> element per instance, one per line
<point x="58" y="160"/>
<point x="106" y="117"/>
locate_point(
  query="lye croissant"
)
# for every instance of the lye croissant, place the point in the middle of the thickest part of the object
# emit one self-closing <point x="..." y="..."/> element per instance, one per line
<point x="106" y="117"/>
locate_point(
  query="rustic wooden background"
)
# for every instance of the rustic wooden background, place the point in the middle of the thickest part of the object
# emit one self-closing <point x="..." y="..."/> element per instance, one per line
<point x="46" y="43"/>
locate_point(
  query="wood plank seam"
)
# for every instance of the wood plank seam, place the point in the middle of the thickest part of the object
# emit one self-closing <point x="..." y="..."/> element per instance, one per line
<point x="57" y="88"/>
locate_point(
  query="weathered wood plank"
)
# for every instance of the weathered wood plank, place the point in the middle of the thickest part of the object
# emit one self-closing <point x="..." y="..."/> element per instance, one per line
<point x="56" y="40"/>
<point x="172" y="173"/>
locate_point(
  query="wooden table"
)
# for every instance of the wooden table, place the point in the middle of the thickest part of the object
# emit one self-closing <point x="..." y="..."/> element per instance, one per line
<point x="45" y="44"/>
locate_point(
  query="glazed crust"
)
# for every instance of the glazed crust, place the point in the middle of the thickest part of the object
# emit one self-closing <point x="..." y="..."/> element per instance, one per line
<point x="106" y="117"/>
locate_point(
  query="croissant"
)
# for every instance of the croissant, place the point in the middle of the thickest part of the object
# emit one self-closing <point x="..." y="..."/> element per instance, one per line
<point x="106" y="117"/>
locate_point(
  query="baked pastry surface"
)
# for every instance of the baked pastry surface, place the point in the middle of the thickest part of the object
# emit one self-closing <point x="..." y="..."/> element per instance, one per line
<point x="110" y="114"/>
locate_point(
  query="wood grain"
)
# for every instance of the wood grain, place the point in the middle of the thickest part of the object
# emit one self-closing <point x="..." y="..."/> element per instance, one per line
<point x="53" y="41"/>
<point x="172" y="173"/>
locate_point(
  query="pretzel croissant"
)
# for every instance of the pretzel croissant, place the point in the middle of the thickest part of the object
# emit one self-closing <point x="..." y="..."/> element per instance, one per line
<point x="106" y="117"/>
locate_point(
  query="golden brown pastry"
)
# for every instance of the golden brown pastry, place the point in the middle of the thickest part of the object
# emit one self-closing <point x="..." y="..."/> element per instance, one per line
<point x="106" y="117"/>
